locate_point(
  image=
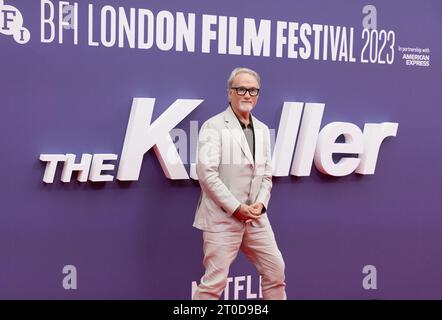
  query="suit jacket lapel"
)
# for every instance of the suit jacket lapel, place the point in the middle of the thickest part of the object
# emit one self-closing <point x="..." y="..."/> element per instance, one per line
<point x="259" y="141"/>
<point x="236" y="131"/>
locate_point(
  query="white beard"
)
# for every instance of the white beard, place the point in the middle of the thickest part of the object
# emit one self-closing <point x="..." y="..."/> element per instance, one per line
<point x="245" y="107"/>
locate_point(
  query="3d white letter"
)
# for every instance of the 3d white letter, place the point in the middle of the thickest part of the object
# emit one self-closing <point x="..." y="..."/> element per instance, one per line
<point x="141" y="137"/>
<point x="308" y="135"/>
<point x="327" y="145"/>
<point x="98" y="166"/>
<point x="51" y="165"/>
<point x="286" y="139"/>
<point x="374" y="134"/>
<point x="82" y="167"/>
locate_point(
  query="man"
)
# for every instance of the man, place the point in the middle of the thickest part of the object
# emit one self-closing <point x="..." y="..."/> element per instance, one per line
<point x="235" y="175"/>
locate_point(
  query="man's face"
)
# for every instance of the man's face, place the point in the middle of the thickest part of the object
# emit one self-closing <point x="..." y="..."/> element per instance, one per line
<point x="243" y="104"/>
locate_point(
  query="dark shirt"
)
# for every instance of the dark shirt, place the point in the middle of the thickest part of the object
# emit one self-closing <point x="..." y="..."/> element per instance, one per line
<point x="249" y="133"/>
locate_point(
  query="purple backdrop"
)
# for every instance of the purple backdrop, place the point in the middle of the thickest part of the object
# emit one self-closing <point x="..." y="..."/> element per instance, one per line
<point x="134" y="240"/>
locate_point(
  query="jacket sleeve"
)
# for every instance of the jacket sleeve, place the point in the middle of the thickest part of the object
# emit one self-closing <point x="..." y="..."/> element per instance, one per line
<point x="266" y="184"/>
<point x="209" y="158"/>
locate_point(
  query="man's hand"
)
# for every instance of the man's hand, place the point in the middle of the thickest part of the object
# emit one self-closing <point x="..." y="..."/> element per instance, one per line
<point x="256" y="208"/>
<point x="245" y="213"/>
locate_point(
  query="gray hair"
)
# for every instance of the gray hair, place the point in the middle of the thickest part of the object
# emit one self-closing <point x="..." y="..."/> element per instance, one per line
<point x="237" y="71"/>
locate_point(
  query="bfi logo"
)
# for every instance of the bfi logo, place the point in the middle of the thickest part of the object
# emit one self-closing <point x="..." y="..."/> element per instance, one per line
<point x="300" y="143"/>
<point x="11" y="23"/>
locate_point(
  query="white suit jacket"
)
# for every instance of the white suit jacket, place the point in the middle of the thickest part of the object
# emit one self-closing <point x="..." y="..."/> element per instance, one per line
<point x="228" y="174"/>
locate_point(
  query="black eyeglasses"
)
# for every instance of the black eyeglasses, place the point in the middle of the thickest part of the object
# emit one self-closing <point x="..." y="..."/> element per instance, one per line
<point x="241" y="91"/>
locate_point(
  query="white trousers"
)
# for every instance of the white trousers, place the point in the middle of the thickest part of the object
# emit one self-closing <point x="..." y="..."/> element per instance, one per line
<point x="258" y="244"/>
